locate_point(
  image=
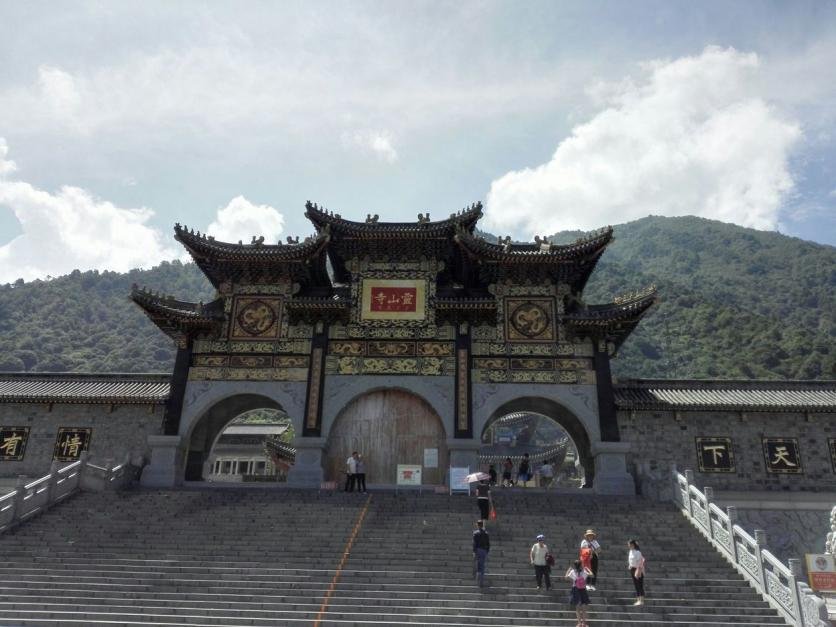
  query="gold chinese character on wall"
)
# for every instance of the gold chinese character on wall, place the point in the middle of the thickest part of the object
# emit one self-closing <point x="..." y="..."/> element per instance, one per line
<point x="13" y="443"/>
<point x="782" y="456"/>
<point x="715" y="455"/>
<point x="70" y="443"/>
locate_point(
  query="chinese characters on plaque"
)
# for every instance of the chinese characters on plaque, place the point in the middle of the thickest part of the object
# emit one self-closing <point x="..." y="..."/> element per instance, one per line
<point x="13" y="443"/>
<point x="70" y="443"/>
<point x="715" y="454"/>
<point x="781" y="456"/>
<point x="831" y="444"/>
<point x="394" y="299"/>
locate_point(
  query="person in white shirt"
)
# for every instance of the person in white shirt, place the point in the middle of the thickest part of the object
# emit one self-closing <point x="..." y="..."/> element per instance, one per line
<point x="590" y="543"/>
<point x="635" y="562"/>
<point x="351" y="472"/>
<point x="537" y="556"/>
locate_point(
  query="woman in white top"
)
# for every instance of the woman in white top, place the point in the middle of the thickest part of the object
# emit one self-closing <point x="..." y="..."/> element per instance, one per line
<point x="635" y="562"/>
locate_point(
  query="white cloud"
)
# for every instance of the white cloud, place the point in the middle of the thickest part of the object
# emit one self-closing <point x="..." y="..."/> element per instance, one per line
<point x="692" y="136"/>
<point x="7" y="166"/>
<point x="241" y="220"/>
<point x="377" y="143"/>
<point x="72" y="229"/>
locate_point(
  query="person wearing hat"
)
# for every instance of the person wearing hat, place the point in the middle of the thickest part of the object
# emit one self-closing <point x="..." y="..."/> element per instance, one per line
<point x="538" y="557"/>
<point x="589" y="555"/>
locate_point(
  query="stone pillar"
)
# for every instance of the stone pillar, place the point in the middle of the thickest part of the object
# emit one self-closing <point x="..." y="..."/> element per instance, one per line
<point x="307" y="469"/>
<point x="166" y="466"/>
<point x="464" y="453"/>
<point x="611" y="475"/>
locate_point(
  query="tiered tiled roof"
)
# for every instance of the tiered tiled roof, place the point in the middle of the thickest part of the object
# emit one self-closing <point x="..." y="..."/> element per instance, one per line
<point x="59" y="387"/>
<point x="176" y="318"/>
<point x="615" y="320"/>
<point x="372" y="229"/>
<point x="736" y="395"/>
<point x="256" y="261"/>
<point x="571" y="263"/>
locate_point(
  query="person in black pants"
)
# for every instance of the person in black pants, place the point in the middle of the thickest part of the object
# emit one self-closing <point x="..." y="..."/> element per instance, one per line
<point x="481" y="546"/>
<point x="483" y="500"/>
<point x="360" y="467"/>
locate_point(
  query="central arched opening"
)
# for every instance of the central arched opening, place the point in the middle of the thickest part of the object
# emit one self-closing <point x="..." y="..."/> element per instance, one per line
<point x="543" y="434"/>
<point x="388" y="427"/>
<point x="246" y="437"/>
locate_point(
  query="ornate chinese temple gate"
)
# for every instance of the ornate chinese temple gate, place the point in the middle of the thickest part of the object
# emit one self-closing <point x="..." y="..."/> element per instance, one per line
<point x="413" y="339"/>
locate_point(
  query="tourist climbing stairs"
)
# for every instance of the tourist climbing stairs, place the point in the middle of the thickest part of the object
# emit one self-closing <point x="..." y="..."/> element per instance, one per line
<point x="276" y="557"/>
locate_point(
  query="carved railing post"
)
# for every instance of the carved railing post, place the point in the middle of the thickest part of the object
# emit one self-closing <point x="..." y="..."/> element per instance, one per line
<point x="797" y="575"/>
<point x="731" y="512"/>
<point x="760" y="541"/>
<point x="709" y="497"/>
<point x="53" y="482"/>
<point x="20" y="494"/>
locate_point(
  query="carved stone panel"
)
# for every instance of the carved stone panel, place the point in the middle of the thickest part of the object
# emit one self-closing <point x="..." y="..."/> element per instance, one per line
<point x="530" y="320"/>
<point x="255" y="318"/>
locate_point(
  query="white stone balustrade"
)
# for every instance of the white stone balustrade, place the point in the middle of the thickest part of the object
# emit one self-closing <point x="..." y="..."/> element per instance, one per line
<point x="32" y="498"/>
<point x="779" y="584"/>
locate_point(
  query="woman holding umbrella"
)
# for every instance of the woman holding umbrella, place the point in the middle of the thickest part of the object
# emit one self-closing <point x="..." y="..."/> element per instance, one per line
<point x="483" y="494"/>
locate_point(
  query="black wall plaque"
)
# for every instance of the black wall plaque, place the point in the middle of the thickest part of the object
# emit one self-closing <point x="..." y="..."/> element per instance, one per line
<point x="782" y="456"/>
<point x="715" y="454"/>
<point x="831" y="444"/>
<point x="13" y="443"/>
<point x="71" y="441"/>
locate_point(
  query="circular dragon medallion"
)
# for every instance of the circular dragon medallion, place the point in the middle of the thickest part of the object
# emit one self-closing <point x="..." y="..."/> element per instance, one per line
<point x="529" y="319"/>
<point x="256" y="317"/>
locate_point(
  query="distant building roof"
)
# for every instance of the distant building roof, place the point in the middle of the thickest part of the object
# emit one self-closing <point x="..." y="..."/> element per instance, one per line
<point x="695" y="394"/>
<point x="60" y="387"/>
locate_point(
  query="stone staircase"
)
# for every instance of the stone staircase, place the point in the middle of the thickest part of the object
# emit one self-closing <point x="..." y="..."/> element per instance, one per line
<point x="277" y="557"/>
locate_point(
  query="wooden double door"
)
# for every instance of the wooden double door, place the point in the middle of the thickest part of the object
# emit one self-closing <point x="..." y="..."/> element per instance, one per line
<point x="387" y="427"/>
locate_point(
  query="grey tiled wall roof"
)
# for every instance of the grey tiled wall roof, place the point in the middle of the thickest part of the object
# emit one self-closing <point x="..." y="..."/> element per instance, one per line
<point x="813" y="396"/>
<point x="83" y="388"/>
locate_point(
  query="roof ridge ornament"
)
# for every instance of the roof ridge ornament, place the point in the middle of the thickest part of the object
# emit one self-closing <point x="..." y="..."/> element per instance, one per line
<point x="422" y="219"/>
<point x="634" y="295"/>
<point x="372" y="219"/>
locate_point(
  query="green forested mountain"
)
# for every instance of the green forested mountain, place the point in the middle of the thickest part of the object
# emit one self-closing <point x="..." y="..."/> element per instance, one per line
<point x="734" y="303"/>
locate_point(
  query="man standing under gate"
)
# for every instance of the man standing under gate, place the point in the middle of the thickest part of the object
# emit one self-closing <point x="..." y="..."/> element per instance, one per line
<point x="481" y="547"/>
<point x="351" y="472"/>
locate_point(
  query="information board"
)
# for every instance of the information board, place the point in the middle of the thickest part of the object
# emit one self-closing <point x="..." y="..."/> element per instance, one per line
<point x="822" y="572"/>
<point x="430" y="458"/>
<point x="458" y="480"/>
<point x="409" y="474"/>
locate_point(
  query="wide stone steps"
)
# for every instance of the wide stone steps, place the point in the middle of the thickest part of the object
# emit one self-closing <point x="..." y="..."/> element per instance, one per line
<point x="269" y="557"/>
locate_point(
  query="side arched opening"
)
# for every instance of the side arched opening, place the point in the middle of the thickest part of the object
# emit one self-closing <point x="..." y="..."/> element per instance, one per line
<point x="211" y="425"/>
<point x="545" y="430"/>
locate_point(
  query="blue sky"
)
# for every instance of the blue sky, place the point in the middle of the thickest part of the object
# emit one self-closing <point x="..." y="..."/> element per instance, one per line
<point x="118" y="120"/>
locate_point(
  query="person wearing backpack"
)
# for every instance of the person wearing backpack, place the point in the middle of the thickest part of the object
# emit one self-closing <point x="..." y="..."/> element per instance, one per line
<point x="578" y="596"/>
<point x="636" y="562"/>
<point x="589" y="556"/>
<point x="538" y="556"/>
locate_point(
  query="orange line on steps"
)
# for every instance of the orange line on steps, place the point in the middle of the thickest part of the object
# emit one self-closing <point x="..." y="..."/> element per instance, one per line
<point x="346" y="552"/>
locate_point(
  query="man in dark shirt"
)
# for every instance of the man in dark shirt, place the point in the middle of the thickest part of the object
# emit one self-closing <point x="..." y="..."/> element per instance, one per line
<point x="481" y="546"/>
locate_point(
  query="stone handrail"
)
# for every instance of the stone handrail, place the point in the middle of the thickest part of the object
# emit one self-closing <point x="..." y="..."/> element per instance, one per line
<point x="780" y="585"/>
<point x="32" y="498"/>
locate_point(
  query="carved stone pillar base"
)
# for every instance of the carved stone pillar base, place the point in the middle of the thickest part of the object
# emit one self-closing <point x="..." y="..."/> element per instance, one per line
<point x="307" y="470"/>
<point x="611" y="475"/>
<point x="165" y="468"/>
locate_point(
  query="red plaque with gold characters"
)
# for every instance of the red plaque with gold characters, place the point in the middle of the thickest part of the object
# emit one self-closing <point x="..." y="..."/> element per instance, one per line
<point x="394" y="299"/>
<point x="70" y="443"/>
<point x="13" y="443"/>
